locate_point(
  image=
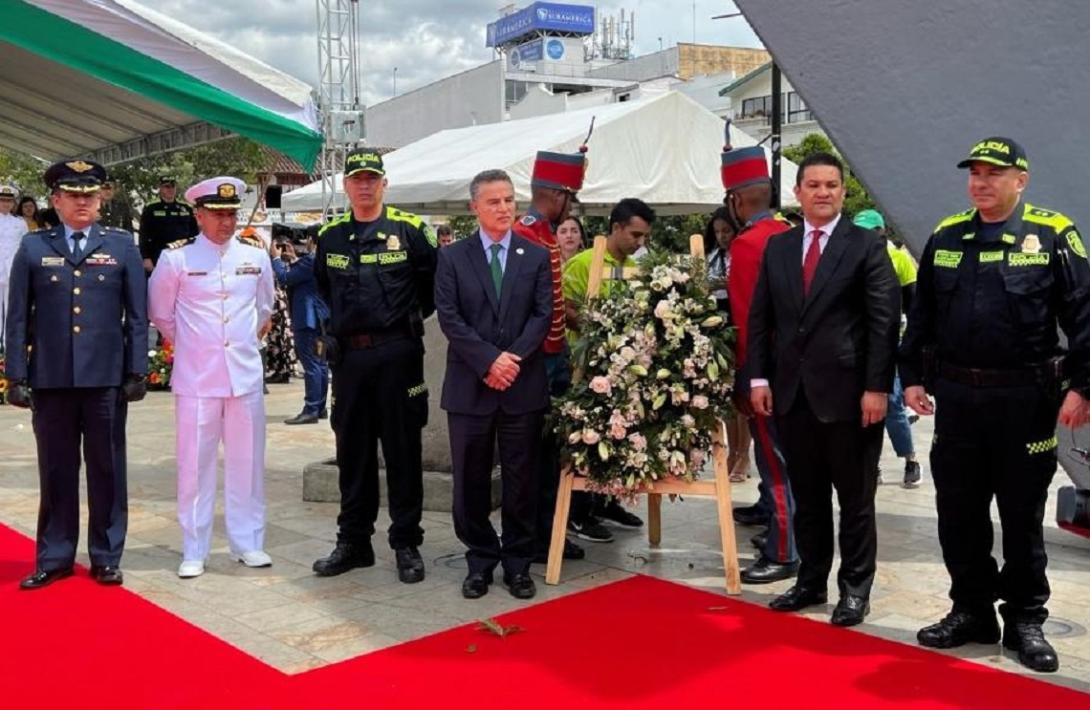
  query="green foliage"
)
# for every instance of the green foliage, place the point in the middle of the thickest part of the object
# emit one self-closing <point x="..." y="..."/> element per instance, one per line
<point x="22" y="171"/>
<point x="139" y="179"/>
<point x="462" y="225"/>
<point x="857" y="198"/>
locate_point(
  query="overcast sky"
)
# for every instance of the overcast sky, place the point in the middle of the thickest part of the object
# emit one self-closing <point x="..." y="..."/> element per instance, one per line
<point x="427" y="39"/>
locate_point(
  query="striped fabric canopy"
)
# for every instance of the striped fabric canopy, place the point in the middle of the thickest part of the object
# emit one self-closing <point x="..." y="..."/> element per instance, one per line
<point x="80" y="76"/>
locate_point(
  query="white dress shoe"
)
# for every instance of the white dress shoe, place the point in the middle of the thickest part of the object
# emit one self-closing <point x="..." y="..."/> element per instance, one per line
<point x="191" y="568"/>
<point x="254" y="558"/>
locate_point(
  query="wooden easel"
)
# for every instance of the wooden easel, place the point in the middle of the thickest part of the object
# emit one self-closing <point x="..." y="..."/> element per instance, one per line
<point x="717" y="487"/>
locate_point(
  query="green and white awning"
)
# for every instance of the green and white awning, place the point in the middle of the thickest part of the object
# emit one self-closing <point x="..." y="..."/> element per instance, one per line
<point x="80" y="76"/>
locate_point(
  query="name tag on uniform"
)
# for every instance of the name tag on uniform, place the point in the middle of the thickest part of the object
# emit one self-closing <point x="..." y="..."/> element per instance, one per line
<point x="100" y="259"/>
<point x="52" y="261"/>
<point x="336" y="261"/>
<point x="247" y="269"/>
<point x="196" y="273"/>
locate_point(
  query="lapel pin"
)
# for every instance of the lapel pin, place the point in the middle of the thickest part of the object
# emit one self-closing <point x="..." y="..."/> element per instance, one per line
<point x="519" y="250"/>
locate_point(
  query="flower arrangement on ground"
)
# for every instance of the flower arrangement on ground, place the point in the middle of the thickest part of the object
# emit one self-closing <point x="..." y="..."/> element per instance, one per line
<point x="3" y="382"/>
<point x="656" y="359"/>
<point x="160" y="364"/>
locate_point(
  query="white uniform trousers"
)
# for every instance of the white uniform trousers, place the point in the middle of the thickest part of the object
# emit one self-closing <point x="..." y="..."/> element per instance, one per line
<point x="202" y="423"/>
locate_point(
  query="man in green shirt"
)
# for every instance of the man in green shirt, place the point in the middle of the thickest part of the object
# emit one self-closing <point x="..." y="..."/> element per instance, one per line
<point x="897" y="422"/>
<point x="629" y="228"/>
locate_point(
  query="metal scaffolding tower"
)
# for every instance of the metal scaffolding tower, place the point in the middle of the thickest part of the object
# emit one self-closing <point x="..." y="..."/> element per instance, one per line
<point x="338" y="89"/>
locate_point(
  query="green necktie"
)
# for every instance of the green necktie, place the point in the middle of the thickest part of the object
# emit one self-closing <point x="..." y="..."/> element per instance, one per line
<point x="497" y="268"/>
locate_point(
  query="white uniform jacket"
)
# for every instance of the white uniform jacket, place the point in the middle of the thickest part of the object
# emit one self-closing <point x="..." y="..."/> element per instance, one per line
<point x="210" y="301"/>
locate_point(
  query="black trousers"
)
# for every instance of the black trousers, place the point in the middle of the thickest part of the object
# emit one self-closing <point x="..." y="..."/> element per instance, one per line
<point x="379" y="395"/>
<point x="822" y="456"/>
<point x="63" y="419"/>
<point x="994" y="442"/>
<point x="472" y="441"/>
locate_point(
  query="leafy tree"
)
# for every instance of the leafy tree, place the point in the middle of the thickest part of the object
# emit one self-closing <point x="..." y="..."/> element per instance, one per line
<point x="857" y="198"/>
<point x="138" y="180"/>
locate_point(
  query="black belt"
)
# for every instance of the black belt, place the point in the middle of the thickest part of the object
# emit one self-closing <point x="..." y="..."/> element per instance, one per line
<point x="1047" y="373"/>
<point x="363" y="341"/>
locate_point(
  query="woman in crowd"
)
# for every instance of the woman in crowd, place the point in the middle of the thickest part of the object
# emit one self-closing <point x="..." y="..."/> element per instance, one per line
<point x="718" y="234"/>
<point x="28" y="210"/>
<point x="571" y="238"/>
<point x="279" y="344"/>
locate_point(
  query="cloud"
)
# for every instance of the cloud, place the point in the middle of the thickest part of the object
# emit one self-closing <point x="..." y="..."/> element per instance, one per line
<point x="425" y="39"/>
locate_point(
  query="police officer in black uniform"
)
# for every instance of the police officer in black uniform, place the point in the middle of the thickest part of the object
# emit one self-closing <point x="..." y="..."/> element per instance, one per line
<point x="163" y="221"/>
<point x="77" y="353"/>
<point x="375" y="268"/>
<point x="982" y="337"/>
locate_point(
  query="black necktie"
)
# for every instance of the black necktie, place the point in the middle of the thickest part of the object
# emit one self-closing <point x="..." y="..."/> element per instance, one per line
<point x="76" y="237"/>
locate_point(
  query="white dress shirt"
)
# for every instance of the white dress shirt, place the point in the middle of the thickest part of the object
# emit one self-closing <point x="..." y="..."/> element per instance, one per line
<point x="807" y="237"/>
<point x="210" y="300"/>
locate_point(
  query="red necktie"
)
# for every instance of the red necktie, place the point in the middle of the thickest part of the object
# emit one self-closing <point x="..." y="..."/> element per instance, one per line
<point x="810" y="262"/>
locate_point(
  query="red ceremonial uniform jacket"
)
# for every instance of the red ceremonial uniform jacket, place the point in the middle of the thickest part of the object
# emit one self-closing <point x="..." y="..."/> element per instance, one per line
<point x="746" y="252"/>
<point x="536" y="228"/>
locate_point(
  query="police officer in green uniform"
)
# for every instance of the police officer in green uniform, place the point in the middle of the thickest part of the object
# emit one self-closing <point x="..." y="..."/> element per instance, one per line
<point x="163" y="221"/>
<point x="982" y="337"/>
<point x="375" y="269"/>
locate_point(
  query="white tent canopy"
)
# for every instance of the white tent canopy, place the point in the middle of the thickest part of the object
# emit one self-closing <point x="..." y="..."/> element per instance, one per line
<point x="664" y="150"/>
<point x="114" y="79"/>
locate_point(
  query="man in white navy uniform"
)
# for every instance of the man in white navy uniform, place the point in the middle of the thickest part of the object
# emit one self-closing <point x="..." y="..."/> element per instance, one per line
<point x="12" y="229"/>
<point x="212" y="296"/>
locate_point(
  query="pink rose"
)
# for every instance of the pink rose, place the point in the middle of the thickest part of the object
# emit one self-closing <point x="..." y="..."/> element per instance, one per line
<point x="601" y="385"/>
<point x="700" y="402"/>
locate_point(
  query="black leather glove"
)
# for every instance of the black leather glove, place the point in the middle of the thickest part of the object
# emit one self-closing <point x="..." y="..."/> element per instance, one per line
<point x="134" y="388"/>
<point x="19" y="395"/>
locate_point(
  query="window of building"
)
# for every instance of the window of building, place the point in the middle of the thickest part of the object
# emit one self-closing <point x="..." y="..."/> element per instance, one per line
<point x="794" y="108"/>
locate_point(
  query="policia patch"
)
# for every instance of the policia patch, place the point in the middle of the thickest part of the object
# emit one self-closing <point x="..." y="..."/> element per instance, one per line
<point x="1075" y="242"/>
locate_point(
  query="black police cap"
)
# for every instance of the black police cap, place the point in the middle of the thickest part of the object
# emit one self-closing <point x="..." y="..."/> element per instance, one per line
<point x="997" y="151"/>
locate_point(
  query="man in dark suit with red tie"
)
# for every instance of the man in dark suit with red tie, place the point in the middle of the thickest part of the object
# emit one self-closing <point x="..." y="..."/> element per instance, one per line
<point x="822" y="340"/>
<point x="493" y="297"/>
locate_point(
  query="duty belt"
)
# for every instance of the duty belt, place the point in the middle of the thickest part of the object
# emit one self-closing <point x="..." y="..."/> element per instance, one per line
<point x="1046" y="373"/>
<point x="363" y="341"/>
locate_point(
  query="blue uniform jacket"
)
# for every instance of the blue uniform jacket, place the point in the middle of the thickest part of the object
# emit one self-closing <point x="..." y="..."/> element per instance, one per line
<point x="308" y="310"/>
<point x="77" y="323"/>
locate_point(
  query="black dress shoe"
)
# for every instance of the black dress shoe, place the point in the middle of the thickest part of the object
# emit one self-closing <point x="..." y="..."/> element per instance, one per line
<point x="765" y="570"/>
<point x="43" y="578"/>
<point x="302" y="418"/>
<point x="750" y="515"/>
<point x="959" y="628"/>
<point x="281" y="379"/>
<point x="571" y="552"/>
<point x="410" y="566"/>
<point x="107" y="574"/>
<point x="520" y="585"/>
<point x="759" y="540"/>
<point x="850" y="610"/>
<point x="1034" y="652"/>
<point x="324" y="414"/>
<point x="798" y="597"/>
<point x="345" y="556"/>
<point x="476" y="584"/>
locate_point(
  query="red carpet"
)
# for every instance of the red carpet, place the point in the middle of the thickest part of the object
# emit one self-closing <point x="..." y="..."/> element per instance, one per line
<point x="633" y="644"/>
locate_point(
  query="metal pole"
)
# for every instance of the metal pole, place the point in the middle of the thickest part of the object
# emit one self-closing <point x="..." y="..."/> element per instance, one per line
<point x="395" y="81"/>
<point x="777" y="115"/>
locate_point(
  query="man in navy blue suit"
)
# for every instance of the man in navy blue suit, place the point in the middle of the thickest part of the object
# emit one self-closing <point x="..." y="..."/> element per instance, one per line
<point x="77" y="354"/>
<point x="493" y="296"/>
<point x="293" y="264"/>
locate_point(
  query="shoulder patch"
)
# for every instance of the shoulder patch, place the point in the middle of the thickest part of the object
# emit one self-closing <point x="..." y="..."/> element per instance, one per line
<point x="1049" y="218"/>
<point x="397" y="215"/>
<point x="528" y="220"/>
<point x="251" y="242"/>
<point x="342" y="219"/>
<point x="1074" y="240"/>
<point x="181" y="243"/>
<point x="956" y="219"/>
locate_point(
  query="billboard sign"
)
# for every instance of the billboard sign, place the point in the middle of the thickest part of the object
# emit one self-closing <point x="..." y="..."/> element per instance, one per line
<point x="541" y="17"/>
